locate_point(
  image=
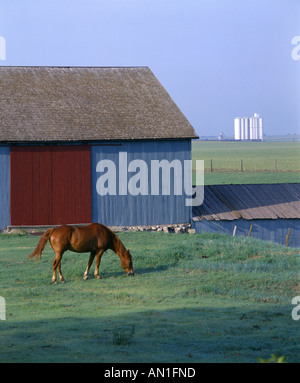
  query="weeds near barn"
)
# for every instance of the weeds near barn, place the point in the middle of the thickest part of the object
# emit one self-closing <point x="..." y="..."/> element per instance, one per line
<point x="194" y="298"/>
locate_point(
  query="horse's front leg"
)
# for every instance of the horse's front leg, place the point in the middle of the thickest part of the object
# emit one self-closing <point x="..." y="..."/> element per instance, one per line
<point x="91" y="259"/>
<point x="98" y="259"/>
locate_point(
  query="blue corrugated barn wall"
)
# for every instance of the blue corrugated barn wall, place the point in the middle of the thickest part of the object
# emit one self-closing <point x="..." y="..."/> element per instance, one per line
<point x="274" y="230"/>
<point x="4" y="187"/>
<point x="122" y="210"/>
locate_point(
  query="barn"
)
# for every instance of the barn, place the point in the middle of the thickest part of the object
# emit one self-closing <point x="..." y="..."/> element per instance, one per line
<point x="79" y="144"/>
<point x="269" y="212"/>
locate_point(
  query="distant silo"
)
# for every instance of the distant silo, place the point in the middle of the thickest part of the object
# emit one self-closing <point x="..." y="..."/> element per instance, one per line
<point x="255" y="124"/>
<point x="260" y="129"/>
<point x="254" y="128"/>
<point x="251" y="129"/>
<point x="237" y="128"/>
<point x="248" y="128"/>
<point x="243" y="128"/>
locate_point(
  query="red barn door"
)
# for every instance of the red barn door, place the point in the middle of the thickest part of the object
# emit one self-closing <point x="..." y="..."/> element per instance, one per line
<point x="50" y="185"/>
<point x="71" y="184"/>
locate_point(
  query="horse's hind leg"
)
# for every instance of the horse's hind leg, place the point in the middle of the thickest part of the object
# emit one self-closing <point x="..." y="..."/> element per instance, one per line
<point x="91" y="259"/>
<point x="98" y="259"/>
<point x="57" y="265"/>
<point x="61" y="278"/>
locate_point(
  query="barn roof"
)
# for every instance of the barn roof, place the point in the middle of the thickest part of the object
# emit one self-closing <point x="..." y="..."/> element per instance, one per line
<point x="87" y="103"/>
<point x="260" y="201"/>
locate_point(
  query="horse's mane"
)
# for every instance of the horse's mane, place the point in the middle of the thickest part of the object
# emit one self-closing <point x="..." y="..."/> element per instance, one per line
<point x="117" y="243"/>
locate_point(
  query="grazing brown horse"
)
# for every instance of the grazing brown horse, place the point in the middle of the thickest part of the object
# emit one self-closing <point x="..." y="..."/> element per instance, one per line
<point x="94" y="238"/>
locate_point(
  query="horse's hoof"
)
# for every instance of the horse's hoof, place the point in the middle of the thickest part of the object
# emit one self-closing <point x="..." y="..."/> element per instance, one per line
<point x="54" y="282"/>
<point x="64" y="281"/>
<point x="97" y="277"/>
<point x="85" y="277"/>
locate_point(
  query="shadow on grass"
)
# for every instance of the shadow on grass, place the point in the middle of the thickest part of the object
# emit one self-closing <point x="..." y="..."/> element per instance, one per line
<point x="137" y="271"/>
<point x="197" y="334"/>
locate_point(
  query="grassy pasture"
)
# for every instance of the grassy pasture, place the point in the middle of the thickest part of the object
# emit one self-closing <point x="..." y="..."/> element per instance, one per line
<point x="258" y="161"/>
<point x="194" y="298"/>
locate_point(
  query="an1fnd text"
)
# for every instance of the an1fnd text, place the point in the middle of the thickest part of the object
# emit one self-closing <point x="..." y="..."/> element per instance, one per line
<point x="161" y="372"/>
<point x="175" y="372"/>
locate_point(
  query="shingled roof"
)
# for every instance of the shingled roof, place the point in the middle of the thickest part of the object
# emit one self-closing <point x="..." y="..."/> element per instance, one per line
<point x="86" y="104"/>
<point x="259" y="201"/>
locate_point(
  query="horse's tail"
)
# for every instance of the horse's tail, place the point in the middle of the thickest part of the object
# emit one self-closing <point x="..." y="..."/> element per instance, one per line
<point x="42" y="243"/>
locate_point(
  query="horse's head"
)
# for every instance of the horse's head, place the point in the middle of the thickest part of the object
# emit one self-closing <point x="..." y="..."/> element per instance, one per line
<point x="126" y="263"/>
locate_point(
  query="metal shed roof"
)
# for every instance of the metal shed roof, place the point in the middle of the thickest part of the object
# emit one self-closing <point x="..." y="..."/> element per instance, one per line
<point x="87" y="103"/>
<point x="259" y="201"/>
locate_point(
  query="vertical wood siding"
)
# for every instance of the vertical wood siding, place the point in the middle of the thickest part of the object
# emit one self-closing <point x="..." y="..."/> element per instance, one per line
<point x="4" y="188"/>
<point x="121" y="210"/>
<point x="50" y="185"/>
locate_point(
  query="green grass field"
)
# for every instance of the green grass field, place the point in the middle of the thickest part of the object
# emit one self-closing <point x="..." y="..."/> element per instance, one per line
<point x="258" y="161"/>
<point x="194" y="298"/>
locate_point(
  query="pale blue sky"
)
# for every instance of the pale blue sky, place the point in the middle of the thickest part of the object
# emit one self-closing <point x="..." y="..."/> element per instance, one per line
<point x="218" y="59"/>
